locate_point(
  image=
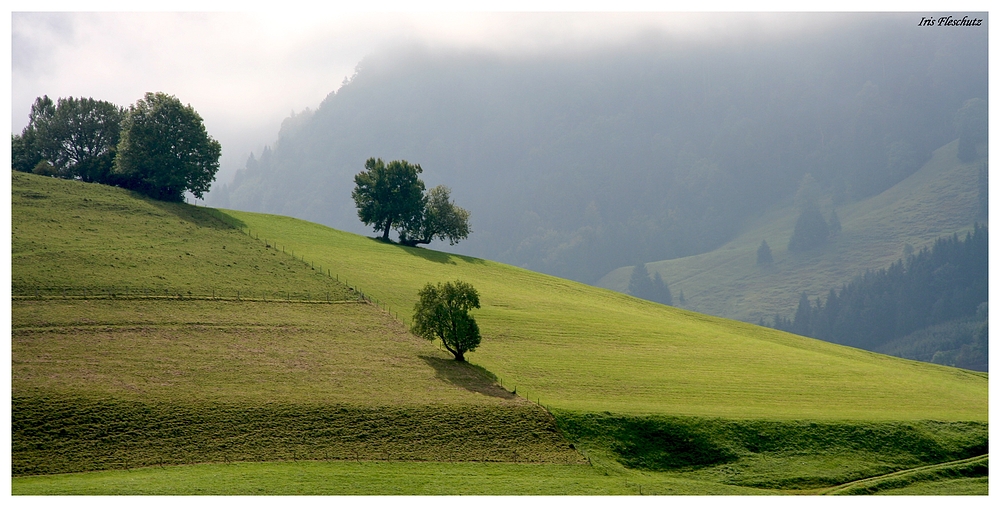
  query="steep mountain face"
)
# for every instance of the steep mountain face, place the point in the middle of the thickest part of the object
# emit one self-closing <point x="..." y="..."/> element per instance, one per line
<point x="576" y="164"/>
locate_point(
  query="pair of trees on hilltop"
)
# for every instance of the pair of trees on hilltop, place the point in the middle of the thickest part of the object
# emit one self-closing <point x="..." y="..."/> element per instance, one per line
<point x="392" y="197"/>
<point x="157" y="146"/>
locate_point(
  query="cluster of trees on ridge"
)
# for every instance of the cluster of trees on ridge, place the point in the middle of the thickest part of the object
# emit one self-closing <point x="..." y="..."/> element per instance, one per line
<point x="578" y="164"/>
<point x="391" y="196"/>
<point x="158" y="146"/>
<point x="943" y="284"/>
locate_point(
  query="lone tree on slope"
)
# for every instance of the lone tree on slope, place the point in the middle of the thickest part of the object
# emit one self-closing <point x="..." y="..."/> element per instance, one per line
<point x="443" y="312"/>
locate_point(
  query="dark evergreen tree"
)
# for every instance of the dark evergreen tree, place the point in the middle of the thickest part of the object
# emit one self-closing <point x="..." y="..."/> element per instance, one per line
<point x="639" y="283"/>
<point x="802" y="324"/>
<point x="972" y="124"/>
<point x="764" y="257"/>
<point x="811" y="230"/>
<point x="945" y="282"/>
<point x="834" y="223"/>
<point x="642" y="286"/>
<point x="984" y="192"/>
<point x="661" y="293"/>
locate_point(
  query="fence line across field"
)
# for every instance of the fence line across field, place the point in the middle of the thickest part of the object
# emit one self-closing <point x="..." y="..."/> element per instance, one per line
<point x="329" y="272"/>
<point x="126" y="292"/>
<point x="131" y="292"/>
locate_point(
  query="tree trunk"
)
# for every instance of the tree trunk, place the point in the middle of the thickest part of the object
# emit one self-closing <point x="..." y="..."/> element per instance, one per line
<point x="460" y="356"/>
<point x="385" y="233"/>
<point x="413" y="242"/>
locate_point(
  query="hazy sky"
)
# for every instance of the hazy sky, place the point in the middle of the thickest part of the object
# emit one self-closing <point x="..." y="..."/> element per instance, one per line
<point x="245" y="72"/>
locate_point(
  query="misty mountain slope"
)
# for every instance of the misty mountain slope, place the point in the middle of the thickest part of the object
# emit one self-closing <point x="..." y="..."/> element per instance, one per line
<point x="940" y="199"/>
<point x="575" y="164"/>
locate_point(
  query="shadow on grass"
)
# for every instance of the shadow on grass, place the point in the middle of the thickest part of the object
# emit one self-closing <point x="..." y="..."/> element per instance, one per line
<point x="431" y="255"/>
<point x="198" y="215"/>
<point x="467" y="377"/>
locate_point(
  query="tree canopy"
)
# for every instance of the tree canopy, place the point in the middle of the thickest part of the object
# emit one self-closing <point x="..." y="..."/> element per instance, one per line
<point x="165" y="149"/>
<point x="391" y="196"/>
<point x="443" y="312"/>
<point x="440" y="219"/>
<point x="76" y="137"/>
<point x="388" y="195"/>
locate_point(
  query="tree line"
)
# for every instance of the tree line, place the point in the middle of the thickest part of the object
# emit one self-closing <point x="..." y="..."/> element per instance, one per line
<point x="936" y="285"/>
<point x="158" y="146"/>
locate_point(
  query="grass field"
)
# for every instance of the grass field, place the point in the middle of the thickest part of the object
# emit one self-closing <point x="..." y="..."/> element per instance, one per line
<point x="68" y="236"/>
<point x="417" y="478"/>
<point x="938" y="200"/>
<point x="581" y="348"/>
<point x="302" y="395"/>
<point x="961" y="477"/>
<point x="370" y="478"/>
<point x="111" y="384"/>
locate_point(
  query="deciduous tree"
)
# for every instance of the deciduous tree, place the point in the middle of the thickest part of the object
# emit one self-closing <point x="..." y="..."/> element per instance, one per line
<point x="165" y="149"/>
<point x="388" y="195"/>
<point x="82" y="137"/>
<point x="25" y="149"/>
<point x="443" y="312"/>
<point x="440" y="219"/>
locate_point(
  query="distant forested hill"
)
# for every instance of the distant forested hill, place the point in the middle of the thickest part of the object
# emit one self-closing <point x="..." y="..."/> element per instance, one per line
<point x="945" y="286"/>
<point x="575" y="164"/>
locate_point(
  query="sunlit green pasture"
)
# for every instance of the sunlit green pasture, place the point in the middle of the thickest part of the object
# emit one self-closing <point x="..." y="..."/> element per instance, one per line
<point x="104" y="384"/>
<point x="577" y="347"/>
<point x="370" y="478"/>
<point x="234" y="352"/>
<point x="414" y="478"/>
<point x="75" y="238"/>
<point x="317" y="397"/>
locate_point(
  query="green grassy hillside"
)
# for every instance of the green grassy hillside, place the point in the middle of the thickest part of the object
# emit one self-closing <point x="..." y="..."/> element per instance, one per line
<point x="116" y="379"/>
<point x="68" y="237"/>
<point x="129" y="378"/>
<point x="938" y="200"/>
<point x="581" y="348"/>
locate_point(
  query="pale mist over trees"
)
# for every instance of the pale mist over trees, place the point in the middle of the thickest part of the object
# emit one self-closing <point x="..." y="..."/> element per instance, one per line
<point x="575" y="164"/>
